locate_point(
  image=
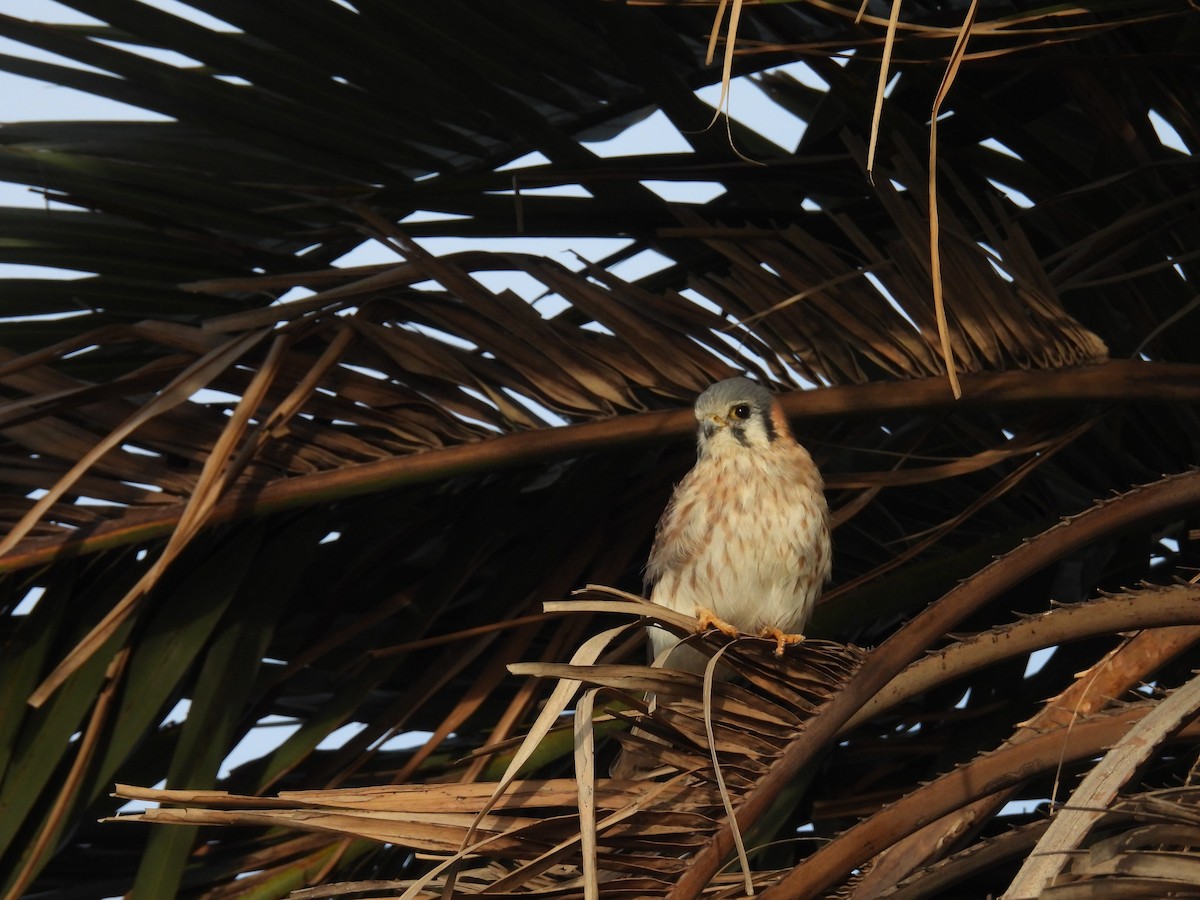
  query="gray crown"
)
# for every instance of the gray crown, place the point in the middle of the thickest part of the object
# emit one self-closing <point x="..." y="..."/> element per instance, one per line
<point x="724" y="394"/>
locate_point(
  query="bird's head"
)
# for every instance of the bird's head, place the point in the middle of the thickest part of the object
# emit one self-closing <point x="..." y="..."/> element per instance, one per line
<point x="737" y="415"/>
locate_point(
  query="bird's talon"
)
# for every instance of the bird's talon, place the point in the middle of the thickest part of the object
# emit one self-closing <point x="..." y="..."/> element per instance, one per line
<point x="782" y="639"/>
<point x="706" y="619"/>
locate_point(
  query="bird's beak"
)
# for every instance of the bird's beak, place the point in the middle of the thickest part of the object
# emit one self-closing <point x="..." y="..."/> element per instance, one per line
<point x="711" y="425"/>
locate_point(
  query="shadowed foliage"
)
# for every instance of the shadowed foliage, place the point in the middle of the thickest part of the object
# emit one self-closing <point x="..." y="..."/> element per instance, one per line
<point x="254" y="476"/>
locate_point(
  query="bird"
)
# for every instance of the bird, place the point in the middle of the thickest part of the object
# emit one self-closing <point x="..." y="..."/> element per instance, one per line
<point x="744" y="542"/>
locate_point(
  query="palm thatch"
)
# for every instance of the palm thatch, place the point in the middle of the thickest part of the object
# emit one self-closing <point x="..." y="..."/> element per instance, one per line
<point x="242" y="473"/>
<point x="706" y="744"/>
<point x="708" y="748"/>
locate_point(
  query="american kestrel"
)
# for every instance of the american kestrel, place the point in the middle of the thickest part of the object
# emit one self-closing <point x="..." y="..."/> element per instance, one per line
<point x="744" y="542"/>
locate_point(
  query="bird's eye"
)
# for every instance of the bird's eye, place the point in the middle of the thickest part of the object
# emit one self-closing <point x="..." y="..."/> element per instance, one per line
<point x="741" y="411"/>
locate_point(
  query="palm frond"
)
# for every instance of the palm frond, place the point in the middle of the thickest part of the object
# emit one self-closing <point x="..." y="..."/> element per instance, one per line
<point x="644" y="829"/>
<point x="246" y="471"/>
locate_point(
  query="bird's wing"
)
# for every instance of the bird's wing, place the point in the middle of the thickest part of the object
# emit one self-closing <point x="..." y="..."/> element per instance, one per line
<point x="679" y="535"/>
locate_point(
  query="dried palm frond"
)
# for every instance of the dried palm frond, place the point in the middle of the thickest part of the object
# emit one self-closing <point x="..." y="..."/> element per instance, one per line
<point x="702" y="745"/>
<point x="1146" y="844"/>
<point x="334" y="548"/>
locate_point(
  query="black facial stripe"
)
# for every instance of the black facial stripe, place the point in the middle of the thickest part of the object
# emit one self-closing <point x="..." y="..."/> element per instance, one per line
<point x="740" y="433"/>
<point x="769" y="427"/>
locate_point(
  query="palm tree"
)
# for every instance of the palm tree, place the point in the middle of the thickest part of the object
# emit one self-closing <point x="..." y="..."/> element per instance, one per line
<point x="347" y="504"/>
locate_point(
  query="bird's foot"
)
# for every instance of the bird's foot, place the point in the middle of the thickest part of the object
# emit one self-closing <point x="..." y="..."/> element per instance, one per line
<point x="706" y="619"/>
<point x="782" y="639"/>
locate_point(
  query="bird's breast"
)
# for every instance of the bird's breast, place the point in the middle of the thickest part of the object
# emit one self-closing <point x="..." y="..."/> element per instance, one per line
<point x="747" y="536"/>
